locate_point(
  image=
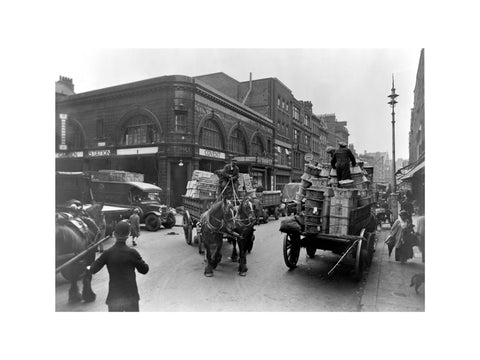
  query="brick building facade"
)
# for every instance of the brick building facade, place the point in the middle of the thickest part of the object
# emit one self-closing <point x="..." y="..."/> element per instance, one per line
<point x="164" y="128"/>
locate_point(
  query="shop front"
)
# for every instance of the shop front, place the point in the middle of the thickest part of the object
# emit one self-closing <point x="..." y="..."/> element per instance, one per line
<point x="282" y="177"/>
<point x="211" y="160"/>
<point x="259" y="168"/>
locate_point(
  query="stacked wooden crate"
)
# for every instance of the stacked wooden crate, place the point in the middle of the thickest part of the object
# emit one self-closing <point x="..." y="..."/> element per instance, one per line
<point x="341" y="205"/>
<point x="203" y="185"/>
<point x="117" y="175"/>
<point x="362" y="184"/>
<point x="313" y="210"/>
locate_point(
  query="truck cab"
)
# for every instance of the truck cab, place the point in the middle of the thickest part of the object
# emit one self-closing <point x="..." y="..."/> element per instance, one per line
<point x="142" y="196"/>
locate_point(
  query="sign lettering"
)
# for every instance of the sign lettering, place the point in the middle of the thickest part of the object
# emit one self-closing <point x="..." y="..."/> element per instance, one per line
<point x="94" y="153"/>
<point x="211" y="153"/>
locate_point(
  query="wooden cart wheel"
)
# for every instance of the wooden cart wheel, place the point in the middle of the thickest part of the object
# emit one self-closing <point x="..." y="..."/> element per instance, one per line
<point x="311" y="252"/>
<point x="275" y="213"/>
<point x="187" y="227"/>
<point x="368" y="249"/>
<point x="359" y="261"/>
<point x="291" y="250"/>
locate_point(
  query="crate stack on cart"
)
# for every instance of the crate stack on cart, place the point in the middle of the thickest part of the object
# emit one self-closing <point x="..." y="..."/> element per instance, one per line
<point x="203" y="185"/>
<point x="332" y="206"/>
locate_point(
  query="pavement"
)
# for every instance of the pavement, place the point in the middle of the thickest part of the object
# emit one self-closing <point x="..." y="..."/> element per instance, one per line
<point x="388" y="284"/>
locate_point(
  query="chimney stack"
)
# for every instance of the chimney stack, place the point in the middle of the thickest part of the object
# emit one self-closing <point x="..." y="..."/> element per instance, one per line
<point x="64" y="86"/>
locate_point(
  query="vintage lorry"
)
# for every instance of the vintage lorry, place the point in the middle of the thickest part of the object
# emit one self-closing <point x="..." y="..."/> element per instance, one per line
<point x="77" y="185"/>
<point x="133" y="194"/>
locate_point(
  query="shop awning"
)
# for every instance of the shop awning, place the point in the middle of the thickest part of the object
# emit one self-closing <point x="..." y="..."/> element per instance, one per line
<point x="411" y="173"/>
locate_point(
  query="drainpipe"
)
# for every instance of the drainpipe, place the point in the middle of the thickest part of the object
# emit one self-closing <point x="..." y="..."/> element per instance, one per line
<point x="249" y="90"/>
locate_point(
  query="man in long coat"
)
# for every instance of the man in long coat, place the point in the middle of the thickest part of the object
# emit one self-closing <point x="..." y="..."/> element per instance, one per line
<point x="341" y="162"/>
<point x="230" y="172"/>
<point x="121" y="261"/>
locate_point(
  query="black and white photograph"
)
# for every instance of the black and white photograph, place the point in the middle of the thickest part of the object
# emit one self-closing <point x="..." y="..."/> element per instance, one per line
<point x="256" y="186"/>
<point x="203" y="180"/>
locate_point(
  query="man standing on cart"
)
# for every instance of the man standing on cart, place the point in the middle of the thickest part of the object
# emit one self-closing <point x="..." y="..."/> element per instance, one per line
<point x="341" y="161"/>
<point x="229" y="177"/>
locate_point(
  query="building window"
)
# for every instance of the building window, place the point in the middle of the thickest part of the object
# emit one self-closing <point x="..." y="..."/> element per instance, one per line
<point x="180" y="121"/>
<point x="296" y="113"/>
<point x="286" y="106"/>
<point x="237" y="142"/>
<point x="257" y="147"/>
<point x="283" y="104"/>
<point x="306" y="120"/>
<point x="278" y="101"/>
<point x="210" y="135"/>
<point x="296" y="136"/>
<point x="73" y="135"/>
<point x="140" y="130"/>
<point x="100" y="133"/>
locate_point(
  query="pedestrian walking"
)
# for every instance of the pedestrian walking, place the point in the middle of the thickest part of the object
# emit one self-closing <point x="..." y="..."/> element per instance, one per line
<point x="134" y="226"/>
<point x="421" y="231"/>
<point x="121" y="262"/>
<point x="341" y="160"/>
<point x="400" y="238"/>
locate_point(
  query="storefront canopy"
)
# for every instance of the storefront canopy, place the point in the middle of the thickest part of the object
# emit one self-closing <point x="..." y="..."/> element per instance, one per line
<point x="411" y="173"/>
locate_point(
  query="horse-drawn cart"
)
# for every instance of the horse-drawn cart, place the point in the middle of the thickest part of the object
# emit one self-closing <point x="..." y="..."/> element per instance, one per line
<point x="193" y="209"/>
<point x="268" y="204"/>
<point x="353" y="234"/>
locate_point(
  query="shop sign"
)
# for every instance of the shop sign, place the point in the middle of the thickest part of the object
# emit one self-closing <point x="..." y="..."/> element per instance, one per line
<point x="95" y="153"/>
<point x="138" y="151"/>
<point x="211" y="153"/>
<point x="72" y="154"/>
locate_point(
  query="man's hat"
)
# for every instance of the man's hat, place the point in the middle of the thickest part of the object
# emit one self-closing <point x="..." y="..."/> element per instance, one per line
<point x="122" y="229"/>
<point x="329" y="149"/>
<point x="341" y="143"/>
<point x="403" y="212"/>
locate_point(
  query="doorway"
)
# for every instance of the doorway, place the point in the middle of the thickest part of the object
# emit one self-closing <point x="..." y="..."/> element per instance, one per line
<point x="178" y="183"/>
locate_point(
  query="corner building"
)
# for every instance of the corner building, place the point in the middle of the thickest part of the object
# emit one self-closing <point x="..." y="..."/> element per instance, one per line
<point x="164" y="128"/>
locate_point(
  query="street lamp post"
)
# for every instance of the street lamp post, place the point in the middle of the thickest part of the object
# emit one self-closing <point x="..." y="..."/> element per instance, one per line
<point x="394" y="199"/>
<point x="392" y="103"/>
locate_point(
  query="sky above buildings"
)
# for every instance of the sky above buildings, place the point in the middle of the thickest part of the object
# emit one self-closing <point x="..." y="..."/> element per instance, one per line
<point x="352" y="83"/>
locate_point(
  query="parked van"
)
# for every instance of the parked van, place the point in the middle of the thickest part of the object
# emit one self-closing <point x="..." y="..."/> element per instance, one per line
<point x="142" y="196"/>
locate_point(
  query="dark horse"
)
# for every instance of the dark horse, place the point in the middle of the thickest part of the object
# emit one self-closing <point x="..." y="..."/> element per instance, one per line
<point x="74" y="234"/>
<point x="244" y="225"/>
<point x="216" y="222"/>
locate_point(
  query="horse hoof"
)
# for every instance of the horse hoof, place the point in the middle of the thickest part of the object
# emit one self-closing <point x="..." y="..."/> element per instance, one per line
<point x="208" y="274"/>
<point x="234" y="259"/>
<point x="242" y="273"/>
<point x="90" y="298"/>
<point x="74" y="299"/>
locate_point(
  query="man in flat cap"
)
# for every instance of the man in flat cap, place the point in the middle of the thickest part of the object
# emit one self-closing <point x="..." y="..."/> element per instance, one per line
<point x="230" y="173"/>
<point x="341" y="161"/>
<point x="121" y="261"/>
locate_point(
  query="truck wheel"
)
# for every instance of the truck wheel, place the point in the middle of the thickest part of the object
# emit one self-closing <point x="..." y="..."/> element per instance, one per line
<point x="170" y="221"/>
<point x="152" y="222"/>
<point x="265" y="216"/>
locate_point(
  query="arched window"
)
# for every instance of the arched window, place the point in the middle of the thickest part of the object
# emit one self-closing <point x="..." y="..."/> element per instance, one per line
<point x="257" y="147"/>
<point x="237" y="142"/>
<point x="140" y="130"/>
<point x="211" y="136"/>
<point x="73" y="135"/>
